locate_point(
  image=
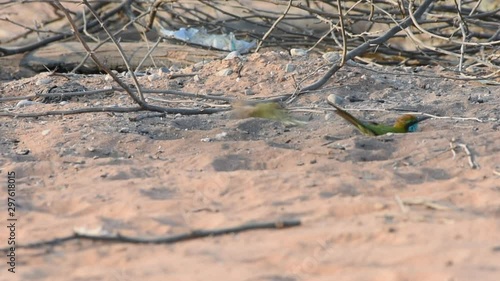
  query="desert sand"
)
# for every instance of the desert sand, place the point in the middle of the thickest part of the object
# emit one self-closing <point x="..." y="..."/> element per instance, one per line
<point x="393" y="207"/>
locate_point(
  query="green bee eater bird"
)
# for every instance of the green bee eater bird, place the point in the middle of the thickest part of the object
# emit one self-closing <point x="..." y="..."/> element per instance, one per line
<point x="404" y="124"/>
<point x="267" y="110"/>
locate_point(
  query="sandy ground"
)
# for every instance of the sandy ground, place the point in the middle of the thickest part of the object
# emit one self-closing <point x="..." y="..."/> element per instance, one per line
<point x="172" y="175"/>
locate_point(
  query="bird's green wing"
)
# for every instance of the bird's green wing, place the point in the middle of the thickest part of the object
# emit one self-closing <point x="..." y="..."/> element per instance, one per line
<point x="381" y="129"/>
<point x="268" y="110"/>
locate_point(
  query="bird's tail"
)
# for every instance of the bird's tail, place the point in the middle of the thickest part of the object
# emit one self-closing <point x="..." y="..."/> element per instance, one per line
<point x="349" y="118"/>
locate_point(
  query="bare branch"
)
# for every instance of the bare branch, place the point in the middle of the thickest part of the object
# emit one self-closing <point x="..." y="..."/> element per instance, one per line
<point x="196" y="234"/>
<point x="365" y="46"/>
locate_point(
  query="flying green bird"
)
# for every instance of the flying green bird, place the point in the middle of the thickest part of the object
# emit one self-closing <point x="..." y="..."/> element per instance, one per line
<point x="267" y="110"/>
<point x="404" y="124"/>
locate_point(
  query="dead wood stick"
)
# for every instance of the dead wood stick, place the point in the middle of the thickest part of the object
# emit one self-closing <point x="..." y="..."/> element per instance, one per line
<point x="472" y="163"/>
<point x="195" y="234"/>
<point x="191" y="95"/>
<point x="148" y="54"/>
<point x="146" y="116"/>
<point x="342" y="29"/>
<point x="183" y="111"/>
<point x="71" y="112"/>
<point x="452" y="148"/>
<point x="62" y="95"/>
<point x="401" y="204"/>
<point x="109" y="91"/>
<point x="153" y="10"/>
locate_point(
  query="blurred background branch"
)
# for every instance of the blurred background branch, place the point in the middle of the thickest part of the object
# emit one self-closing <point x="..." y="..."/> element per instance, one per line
<point x="460" y="35"/>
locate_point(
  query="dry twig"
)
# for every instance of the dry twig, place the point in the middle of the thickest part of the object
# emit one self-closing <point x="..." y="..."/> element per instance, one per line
<point x="274" y="25"/>
<point x="196" y="234"/>
<point x="425" y="202"/>
<point x="342" y="29"/>
<point x="61" y="95"/>
<point x="365" y="46"/>
<point x="401" y="205"/>
<point x="472" y="163"/>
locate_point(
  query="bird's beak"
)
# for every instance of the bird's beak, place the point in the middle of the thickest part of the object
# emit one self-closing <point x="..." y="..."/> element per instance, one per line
<point x="422" y="118"/>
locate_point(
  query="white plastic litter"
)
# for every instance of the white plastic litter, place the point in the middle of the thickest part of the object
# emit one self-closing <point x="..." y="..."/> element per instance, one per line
<point x="225" y="42"/>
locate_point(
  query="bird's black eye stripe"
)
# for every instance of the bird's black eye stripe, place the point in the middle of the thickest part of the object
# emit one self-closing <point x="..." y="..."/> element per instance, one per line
<point x="409" y="124"/>
<point x="412" y="126"/>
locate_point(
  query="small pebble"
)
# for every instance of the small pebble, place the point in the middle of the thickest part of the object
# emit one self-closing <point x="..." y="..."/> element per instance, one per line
<point x="198" y="65"/>
<point x="206" y="140"/>
<point x="332" y="57"/>
<point x="22" y="151"/>
<point x="249" y="92"/>
<point x="45" y="132"/>
<point x="153" y="77"/>
<point x="298" y="52"/>
<point x="196" y="78"/>
<point x="220" y="136"/>
<point x="290" y="67"/>
<point x="232" y="55"/>
<point x="225" y="72"/>
<point x="24" y="103"/>
<point x="163" y="70"/>
<point x="124" y="130"/>
<point x="43" y="81"/>
<point x="333" y="98"/>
